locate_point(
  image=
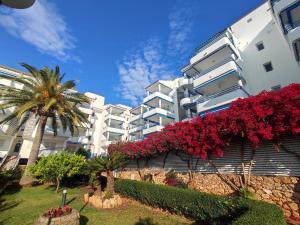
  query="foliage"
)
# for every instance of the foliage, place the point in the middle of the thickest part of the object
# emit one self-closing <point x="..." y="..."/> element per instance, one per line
<point x="84" y="152"/>
<point x="44" y="96"/>
<point x="9" y="176"/>
<point x="24" y="206"/>
<point x="108" y="163"/>
<point x="173" y="180"/>
<point x="247" y="194"/>
<point x="204" y="208"/>
<point x="55" y="167"/>
<point x="266" y="116"/>
<point x="57" y="212"/>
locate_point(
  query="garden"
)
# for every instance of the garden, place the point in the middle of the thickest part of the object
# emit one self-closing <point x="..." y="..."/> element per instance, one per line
<point x="96" y="196"/>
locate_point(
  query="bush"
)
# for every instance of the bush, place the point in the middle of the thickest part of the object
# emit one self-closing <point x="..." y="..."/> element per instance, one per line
<point x="202" y="207"/>
<point x="173" y="181"/>
<point x="55" y="167"/>
<point x="8" y="176"/>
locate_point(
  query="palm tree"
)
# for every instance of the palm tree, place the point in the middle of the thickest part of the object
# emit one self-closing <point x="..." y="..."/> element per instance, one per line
<point x="45" y="96"/>
<point x="108" y="164"/>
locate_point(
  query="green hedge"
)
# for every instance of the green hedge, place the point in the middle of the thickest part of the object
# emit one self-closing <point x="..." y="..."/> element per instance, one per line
<point x="202" y="207"/>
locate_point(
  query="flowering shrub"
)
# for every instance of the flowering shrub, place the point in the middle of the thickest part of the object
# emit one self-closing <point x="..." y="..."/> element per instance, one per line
<point x="173" y="181"/>
<point x="57" y="212"/>
<point x="266" y="116"/>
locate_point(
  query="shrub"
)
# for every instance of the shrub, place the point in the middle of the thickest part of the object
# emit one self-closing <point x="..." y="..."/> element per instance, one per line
<point x="8" y="176"/>
<point x="57" y="212"/>
<point x="202" y="207"/>
<point x="173" y="181"/>
<point x="247" y="194"/>
<point x="55" y="167"/>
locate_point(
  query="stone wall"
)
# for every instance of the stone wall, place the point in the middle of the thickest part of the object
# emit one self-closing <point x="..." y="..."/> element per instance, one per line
<point x="68" y="219"/>
<point x="281" y="190"/>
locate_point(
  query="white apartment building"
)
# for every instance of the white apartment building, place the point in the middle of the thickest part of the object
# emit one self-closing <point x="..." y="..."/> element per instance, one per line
<point x="116" y="124"/>
<point x="107" y="124"/>
<point x="258" y="52"/>
<point x="160" y="107"/>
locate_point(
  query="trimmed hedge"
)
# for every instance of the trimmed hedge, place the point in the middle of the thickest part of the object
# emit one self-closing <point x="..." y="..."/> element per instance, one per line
<point x="202" y="207"/>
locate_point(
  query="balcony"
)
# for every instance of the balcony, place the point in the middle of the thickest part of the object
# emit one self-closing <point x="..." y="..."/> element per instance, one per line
<point x="115" y="117"/>
<point x="226" y="68"/>
<point x="114" y="130"/>
<point x="135" y="118"/>
<point x="152" y="129"/>
<point x="157" y="95"/>
<point x="136" y="129"/>
<point x="280" y="5"/>
<point x="213" y="45"/>
<point x="217" y="100"/>
<point x="86" y="110"/>
<point x="184" y="82"/>
<point x="156" y="112"/>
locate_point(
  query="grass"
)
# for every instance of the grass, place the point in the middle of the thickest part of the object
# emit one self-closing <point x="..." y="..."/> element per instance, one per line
<point x="23" y="206"/>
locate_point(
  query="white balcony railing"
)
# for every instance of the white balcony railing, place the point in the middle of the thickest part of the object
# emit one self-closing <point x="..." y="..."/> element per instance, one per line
<point x="212" y="45"/>
<point x="114" y="130"/>
<point x="158" y="112"/>
<point x="157" y="95"/>
<point x="219" y="99"/>
<point x="136" y="129"/>
<point x="135" y="118"/>
<point x="222" y="69"/>
<point x="115" y="117"/>
<point x="152" y="129"/>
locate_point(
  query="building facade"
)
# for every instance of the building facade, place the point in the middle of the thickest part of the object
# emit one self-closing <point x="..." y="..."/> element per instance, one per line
<point x="260" y="51"/>
<point x="253" y="54"/>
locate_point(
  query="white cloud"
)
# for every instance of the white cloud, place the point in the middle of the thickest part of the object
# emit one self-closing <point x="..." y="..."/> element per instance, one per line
<point x="140" y="69"/>
<point x="42" y="26"/>
<point x="180" y="24"/>
<point x="154" y="59"/>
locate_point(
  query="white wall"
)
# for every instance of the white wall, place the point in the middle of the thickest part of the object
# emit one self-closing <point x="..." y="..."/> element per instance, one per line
<point x="263" y="28"/>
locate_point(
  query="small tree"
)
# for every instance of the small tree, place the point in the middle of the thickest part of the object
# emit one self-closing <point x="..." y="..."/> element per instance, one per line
<point x="108" y="164"/>
<point x="55" y="167"/>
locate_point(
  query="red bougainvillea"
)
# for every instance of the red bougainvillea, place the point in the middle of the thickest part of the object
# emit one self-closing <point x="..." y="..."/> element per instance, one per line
<point x="266" y="116"/>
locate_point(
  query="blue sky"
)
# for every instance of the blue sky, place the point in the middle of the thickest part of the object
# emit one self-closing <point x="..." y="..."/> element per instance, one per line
<point x="113" y="48"/>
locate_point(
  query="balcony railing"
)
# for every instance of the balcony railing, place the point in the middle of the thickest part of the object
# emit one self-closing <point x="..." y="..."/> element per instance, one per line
<point x="212" y="40"/>
<point x="291" y="26"/>
<point x="202" y="73"/>
<point x="273" y="2"/>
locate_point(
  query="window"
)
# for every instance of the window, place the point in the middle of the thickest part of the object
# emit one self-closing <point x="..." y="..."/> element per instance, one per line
<point x="249" y="20"/>
<point x="268" y="66"/>
<point x="260" y="46"/>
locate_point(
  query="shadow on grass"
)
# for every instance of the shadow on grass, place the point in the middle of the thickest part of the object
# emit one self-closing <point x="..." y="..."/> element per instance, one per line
<point x="4" y="205"/>
<point x="146" y="221"/>
<point x="71" y="200"/>
<point x="83" y="220"/>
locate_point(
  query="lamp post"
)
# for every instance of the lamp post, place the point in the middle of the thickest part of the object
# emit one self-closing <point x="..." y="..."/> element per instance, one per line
<point x="63" y="198"/>
<point x="17" y="4"/>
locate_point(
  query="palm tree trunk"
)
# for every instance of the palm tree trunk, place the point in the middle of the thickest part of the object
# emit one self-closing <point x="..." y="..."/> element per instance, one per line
<point x="27" y="179"/>
<point x="110" y="183"/>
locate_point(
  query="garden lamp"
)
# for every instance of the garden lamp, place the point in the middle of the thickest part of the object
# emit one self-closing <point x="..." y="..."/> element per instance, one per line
<point x="17" y="4"/>
<point x="63" y="198"/>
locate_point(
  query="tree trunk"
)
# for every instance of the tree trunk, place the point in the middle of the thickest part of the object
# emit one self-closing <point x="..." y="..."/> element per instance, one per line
<point x="110" y="183"/>
<point x="57" y="185"/>
<point x="27" y="179"/>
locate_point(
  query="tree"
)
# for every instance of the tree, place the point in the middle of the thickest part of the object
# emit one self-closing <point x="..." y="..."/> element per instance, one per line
<point x="44" y="96"/>
<point x="55" y="167"/>
<point x="108" y="164"/>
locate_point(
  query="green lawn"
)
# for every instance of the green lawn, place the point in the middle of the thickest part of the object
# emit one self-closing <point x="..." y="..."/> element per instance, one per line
<point x="21" y="207"/>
